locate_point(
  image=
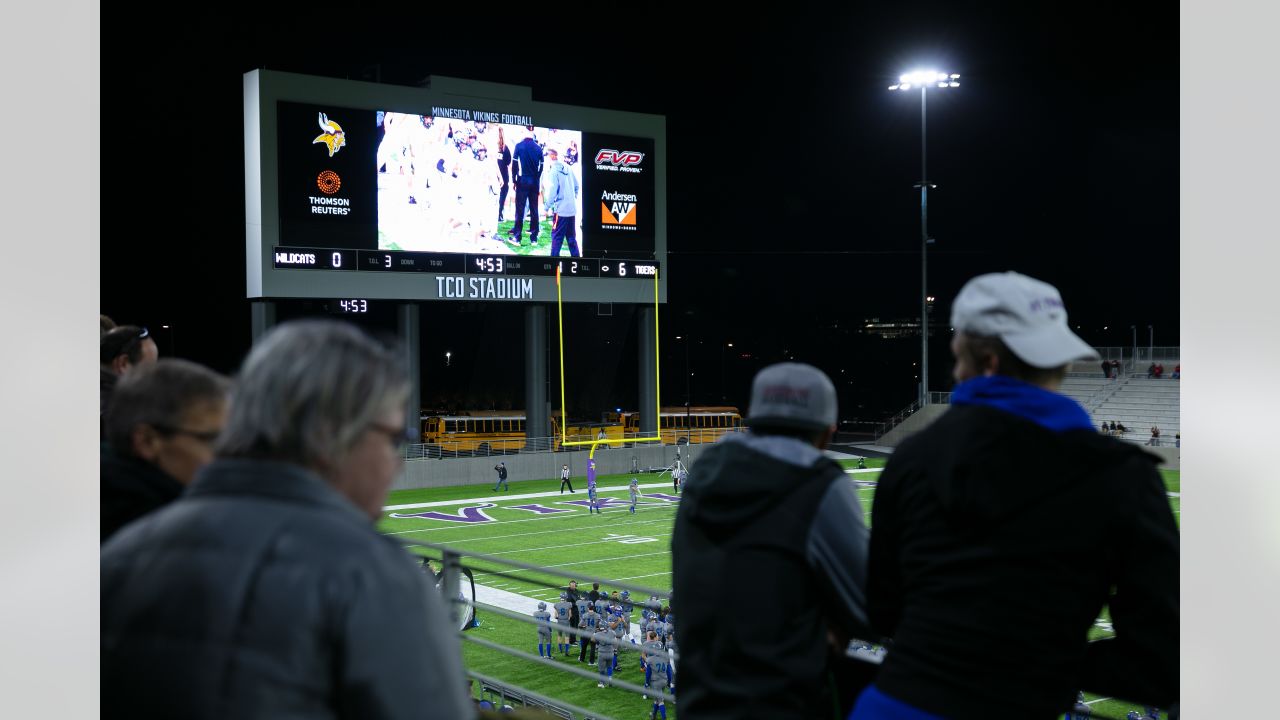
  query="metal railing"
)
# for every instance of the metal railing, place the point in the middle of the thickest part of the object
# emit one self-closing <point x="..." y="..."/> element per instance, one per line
<point x="510" y="446"/>
<point x="935" y="398"/>
<point x="1133" y="359"/>
<point x="458" y="566"/>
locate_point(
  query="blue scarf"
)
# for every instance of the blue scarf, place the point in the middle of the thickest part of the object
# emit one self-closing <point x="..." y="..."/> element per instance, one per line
<point x="1054" y="412"/>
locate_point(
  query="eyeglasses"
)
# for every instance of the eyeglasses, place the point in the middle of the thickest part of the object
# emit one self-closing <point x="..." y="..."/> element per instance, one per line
<point x="207" y="437"/>
<point x="400" y="437"/>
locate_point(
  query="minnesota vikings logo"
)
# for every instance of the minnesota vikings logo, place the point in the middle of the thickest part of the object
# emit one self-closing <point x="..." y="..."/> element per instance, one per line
<point x="333" y="136"/>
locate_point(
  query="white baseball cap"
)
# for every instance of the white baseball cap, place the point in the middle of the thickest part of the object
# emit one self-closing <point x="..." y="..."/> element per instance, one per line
<point x="1025" y="313"/>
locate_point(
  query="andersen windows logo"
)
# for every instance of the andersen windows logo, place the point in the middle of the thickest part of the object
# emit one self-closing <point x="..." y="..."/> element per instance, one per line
<point x="618" y="209"/>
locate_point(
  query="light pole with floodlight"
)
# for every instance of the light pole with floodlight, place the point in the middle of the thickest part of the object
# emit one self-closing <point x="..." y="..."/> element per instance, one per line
<point x="923" y="79"/>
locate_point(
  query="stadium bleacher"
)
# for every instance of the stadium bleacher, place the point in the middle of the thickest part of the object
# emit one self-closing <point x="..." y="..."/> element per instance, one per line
<point x="1134" y="401"/>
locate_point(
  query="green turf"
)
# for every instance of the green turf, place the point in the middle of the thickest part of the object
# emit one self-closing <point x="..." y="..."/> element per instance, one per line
<point x="616" y="546"/>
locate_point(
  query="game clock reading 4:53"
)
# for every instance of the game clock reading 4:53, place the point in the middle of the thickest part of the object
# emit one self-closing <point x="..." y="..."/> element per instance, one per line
<point x="348" y="306"/>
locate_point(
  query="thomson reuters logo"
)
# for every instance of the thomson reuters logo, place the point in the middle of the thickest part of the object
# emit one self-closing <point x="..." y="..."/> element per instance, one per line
<point x="329" y="182"/>
<point x="617" y="209"/>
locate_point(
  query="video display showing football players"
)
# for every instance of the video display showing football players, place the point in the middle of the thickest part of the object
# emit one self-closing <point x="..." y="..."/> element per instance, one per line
<point x="448" y="185"/>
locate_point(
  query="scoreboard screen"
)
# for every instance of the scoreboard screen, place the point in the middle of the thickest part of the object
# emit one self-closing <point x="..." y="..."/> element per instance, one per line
<point x="400" y="193"/>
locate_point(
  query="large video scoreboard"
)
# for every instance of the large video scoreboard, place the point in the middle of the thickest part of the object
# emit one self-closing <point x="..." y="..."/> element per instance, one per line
<point x="460" y="190"/>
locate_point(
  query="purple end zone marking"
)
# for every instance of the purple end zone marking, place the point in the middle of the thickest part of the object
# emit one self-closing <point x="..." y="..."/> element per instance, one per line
<point x="540" y="509"/>
<point x="663" y="496"/>
<point x="473" y="514"/>
<point x="601" y="503"/>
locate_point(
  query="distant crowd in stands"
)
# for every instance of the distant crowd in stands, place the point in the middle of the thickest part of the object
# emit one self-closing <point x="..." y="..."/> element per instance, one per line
<point x="1115" y="429"/>
<point x="1111" y="369"/>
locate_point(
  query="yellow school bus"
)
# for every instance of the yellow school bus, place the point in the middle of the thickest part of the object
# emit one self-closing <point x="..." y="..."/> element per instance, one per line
<point x="487" y="432"/>
<point x="478" y="431"/>
<point x="696" y="424"/>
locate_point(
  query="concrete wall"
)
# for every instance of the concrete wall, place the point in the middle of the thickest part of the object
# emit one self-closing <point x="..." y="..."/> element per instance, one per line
<point x="918" y="421"/>
<point x="1172" y="456"/>
<point x="439" y="472"/>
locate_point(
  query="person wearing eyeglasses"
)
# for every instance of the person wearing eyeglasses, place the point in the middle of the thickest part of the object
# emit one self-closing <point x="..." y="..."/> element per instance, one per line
<point x="266" y="590"/>
<point x="120" y="350"/>
<point x="159" y="432"/>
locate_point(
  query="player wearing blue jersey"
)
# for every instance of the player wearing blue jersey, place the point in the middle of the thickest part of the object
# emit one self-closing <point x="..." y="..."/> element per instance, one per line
<point x="605" y="641"/>
<point x="656" y="675"/>
<point x="619" y="626"/>
<point x="590" y="620"/>
<point x="544" y="630"/>
<point x="627" y="606"/>
<point x="671" y="651"/>
<point x="644" y="636"/>
<point x="649" y="651"/>
<point x="580" y="607"/>
<point x="635" y="493"/>
<point x="562" y="621"/>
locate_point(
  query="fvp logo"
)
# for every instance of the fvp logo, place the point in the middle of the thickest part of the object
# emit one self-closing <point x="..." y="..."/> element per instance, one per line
<point x="333" y="135"/>
<point x="619" y="158"/>
<point x="329" y="182"/>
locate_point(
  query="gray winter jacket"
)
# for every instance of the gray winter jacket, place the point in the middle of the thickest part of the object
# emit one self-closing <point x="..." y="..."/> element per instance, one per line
<point x="263" y="593"/>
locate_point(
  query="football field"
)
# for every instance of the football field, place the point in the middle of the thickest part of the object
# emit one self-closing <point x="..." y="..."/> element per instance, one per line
<point x="534" y="523"/>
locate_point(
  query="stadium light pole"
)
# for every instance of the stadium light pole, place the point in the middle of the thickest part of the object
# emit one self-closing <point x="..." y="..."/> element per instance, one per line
<point x="923" y="79"/>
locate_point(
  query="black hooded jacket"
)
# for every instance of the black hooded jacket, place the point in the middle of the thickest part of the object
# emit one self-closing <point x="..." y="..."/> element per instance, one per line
<point x="768" y="555"/>
<point x="132" y="487"/>
<point x="996" y="542"/>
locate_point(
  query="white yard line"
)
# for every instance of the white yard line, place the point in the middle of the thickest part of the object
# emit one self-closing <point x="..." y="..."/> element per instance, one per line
<point x="574" y="545"/>
<point x="558" y="530"/>
<point x="557" y="516"/>
<point x="637" y="577"/>
<point x="571" y="564"/>
<point x="555" y="493"/>
<point x="527" y="496"/>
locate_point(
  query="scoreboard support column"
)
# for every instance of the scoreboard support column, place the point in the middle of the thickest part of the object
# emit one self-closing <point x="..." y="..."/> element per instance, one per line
<point x="535" y="372"/>
<point x="262" y="314"/>
<point x="408" y="329"/>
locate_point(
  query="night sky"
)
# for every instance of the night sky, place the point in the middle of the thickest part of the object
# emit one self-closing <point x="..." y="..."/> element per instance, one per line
<point x="1057" y="157"/>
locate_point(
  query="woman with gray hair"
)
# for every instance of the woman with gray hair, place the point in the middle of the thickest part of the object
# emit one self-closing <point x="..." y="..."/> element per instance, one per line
<point x="265" y="591"/>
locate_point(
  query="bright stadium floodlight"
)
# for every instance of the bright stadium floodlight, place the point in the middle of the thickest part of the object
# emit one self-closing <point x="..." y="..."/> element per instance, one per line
<point x="923" y="79"/>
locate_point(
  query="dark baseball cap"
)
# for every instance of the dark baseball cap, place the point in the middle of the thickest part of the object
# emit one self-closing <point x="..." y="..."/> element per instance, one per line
<point x="792" y="395"/>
